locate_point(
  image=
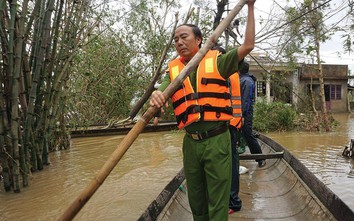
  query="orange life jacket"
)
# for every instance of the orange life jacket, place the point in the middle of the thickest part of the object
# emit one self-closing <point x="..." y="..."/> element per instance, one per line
<point x="210" y="101"/>
<point x="235" y="89"/>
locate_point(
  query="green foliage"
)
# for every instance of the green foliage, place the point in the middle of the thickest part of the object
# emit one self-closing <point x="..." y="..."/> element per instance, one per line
<point x="103" y="84"/>
<point x="275" y="116"/>
<point x="278" y="116"/>
<point x="115" y="67"/>
<point x="305" y="30"/>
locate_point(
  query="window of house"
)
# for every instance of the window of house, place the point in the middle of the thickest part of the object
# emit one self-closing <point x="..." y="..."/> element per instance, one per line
<point x="336" y="92"/>
<point x="261" y="88"/>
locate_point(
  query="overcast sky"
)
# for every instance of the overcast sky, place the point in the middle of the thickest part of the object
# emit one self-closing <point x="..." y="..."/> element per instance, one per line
<point x="332" y="51"/>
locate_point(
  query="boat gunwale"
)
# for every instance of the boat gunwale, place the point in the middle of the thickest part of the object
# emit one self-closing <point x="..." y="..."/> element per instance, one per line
<point x="121" y="130"/>
<point x="159" y="204"/>
<point x="326" y="197"/>
<point x="330" y="203"/>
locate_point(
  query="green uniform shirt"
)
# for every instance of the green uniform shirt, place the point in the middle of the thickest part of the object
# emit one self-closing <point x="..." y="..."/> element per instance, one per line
<point x="227" y="65"/>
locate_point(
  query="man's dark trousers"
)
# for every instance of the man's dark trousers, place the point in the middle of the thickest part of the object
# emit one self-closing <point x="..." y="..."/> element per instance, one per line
<point x="235" y="202"/>
<point x="247" y="133"/>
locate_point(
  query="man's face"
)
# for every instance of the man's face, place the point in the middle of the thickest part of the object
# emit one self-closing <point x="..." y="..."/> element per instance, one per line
<point x="187" y="45"/>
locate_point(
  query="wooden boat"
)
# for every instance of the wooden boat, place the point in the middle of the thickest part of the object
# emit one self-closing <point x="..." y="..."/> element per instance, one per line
<point x="121" y="129"/>
<point x="284" y="189"/>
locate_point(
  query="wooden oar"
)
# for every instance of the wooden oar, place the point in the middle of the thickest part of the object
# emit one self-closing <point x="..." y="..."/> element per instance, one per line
<point x="261" y="156"/>
<point x="86" y="194"/>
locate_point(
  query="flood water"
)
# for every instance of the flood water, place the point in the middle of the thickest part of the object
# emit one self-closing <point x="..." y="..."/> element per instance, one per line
<point x="148" y="165"/>
<point x="322" y="154"/>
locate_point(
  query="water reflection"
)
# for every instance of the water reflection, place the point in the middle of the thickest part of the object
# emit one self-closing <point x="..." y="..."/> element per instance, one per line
<point x="146" y="168"/>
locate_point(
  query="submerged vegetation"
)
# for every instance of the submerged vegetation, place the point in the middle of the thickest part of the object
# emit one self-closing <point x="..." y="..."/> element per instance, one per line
<point x="275" y="116"/>
<point x="279" y="116"/>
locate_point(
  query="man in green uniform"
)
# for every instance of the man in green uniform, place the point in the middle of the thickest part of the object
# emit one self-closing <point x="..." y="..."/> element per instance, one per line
<point x="206" y="145"/>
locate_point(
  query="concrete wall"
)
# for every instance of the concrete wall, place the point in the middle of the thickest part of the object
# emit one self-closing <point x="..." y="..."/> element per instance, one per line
<point x="301" y="77"/>
<point x="333" y="106"/>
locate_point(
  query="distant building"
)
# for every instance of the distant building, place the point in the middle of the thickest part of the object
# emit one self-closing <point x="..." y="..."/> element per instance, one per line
<point x="279" y="82"/>
<point x="335" y="84"/>
<point x="350" y="98"/>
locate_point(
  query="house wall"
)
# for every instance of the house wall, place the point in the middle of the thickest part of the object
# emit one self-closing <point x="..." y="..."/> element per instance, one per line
<point x="301" y="78"/>
<point x="295" y="79"/>
<point x="292" y="79"/>
<point x="333" y="75"/>
<point x="329" y="71"/>
<point x="338" y="106"/>
<point x="333" y="106"/>
<point x="350" y="98"/>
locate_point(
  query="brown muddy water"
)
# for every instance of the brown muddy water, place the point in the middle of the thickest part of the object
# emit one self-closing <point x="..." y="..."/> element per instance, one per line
<point x="322" y="154"/>
<point x="148" y="165"/>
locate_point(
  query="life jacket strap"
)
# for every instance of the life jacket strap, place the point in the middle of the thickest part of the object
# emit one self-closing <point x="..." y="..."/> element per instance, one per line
<point x="201" y="109"/>
<point x="195" y="96"/>
<point x="220" y="82"/>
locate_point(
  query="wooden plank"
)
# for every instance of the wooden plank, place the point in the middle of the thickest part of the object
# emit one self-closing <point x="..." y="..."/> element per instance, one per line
<point x="262" y="156"/>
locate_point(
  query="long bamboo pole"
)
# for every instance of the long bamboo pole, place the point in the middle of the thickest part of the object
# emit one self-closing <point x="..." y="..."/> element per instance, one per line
<point x="115" y="157"/>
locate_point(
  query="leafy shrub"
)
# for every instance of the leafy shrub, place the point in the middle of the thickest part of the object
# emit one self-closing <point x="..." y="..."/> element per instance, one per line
<point x="274" y="116"/>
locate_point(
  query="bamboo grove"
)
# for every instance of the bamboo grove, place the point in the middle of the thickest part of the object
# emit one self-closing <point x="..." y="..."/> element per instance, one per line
<point x="38" y="41"/>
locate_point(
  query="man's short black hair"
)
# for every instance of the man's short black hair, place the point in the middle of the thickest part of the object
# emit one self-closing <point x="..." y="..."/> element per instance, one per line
<point x="196" y="31"/>
<point x="245" y="68"/>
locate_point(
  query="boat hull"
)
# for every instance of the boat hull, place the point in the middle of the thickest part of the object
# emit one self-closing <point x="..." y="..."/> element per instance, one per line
<point x="284" y="189"/>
